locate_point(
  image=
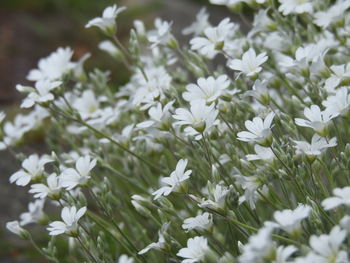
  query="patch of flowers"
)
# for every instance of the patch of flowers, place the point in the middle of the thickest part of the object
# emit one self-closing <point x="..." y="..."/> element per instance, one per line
<point x="231" y="147"/>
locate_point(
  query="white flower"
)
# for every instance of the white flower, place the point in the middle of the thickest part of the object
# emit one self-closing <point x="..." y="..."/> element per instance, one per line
<point x="159" y="117"/>
<point x="259" y="130"/>
<point x="250" y="62"/>
<point x="15" y="228"/>
<point x="109" y="47"/>
<point x="262" y="153"/>
<point x="51" y="189"/>
<point x="317" y="146"/>
<point x="258" y="246"/>
<point x="341" y="197"/>
<point x="250" y="185"/>
<point x="214" y="39"/>
<point x="148" y="91"/>
<point x="200" y="222"/>
<point x="338" y="103"/>
<point x="334" y="13"/>
<point x="339" y="73"/>
<point x="53" y="67"/>
<point x="161" y="241"/>
<point x="230" y="3"/>
<point x="295" y="7"/>
<point x="69" y="226"/>
<point x="316" y="119"/>
<point x="326" y="248"/>
<point x="217" y="197"/>
<point x="33" y="168"/>
<point x="283" y="253"/>
<point x="260" y="92"/>
<point x="196" y="250"/>
<point x="208" y="89"/>
<point x="162" y="33"/>
<point x="107" y="22"/>
<point x="71" y="178"/>
<point x="201" y="118"/>
<point x="41" y="93"/>
<point x="199" y="25"/>
<point x="175" y="180"/>
<point x="35" y="213"/>
<point x="125" y="259"/>
<point x="87" y="105"/>
<point x="345" y="223"/>
<point x="289" y="220"/>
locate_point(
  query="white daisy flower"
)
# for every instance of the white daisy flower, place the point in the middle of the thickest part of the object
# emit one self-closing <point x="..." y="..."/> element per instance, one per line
<point x="327" y="248"/>
<point x="175" y="180"/>
<point x="333" y="14"/>
<point x="196" y="250"/>
<point x="159" y="117"/>
<point x="214" y="39"/>
<point x="317" y="147"/>
<point x="316" y="119"/>
<point x="33" y="168"/>
<point x="289" y="220"/>
<point x="160" y="244"/>
<point x="341" y="197"/>
<point x="41" y="93"/>
<point x="53" y="67"/>
<point x="262" y="153"/>
<point x="52" y="188"/>
<point x="71" y="178"/>
<point x="250" y="64"/>
<point x="295" y="7"/>
<point x="208" y="89"/>
<point x="199" y="25"/>
<point x="339" y="73"/>
<point x="200" y="222"/>
<point x="35" y="213"/>
<point x="259" y="130"/>
<point x="162" y="33"/>
<point x="200" y="117"/>
<point x="338" y="103"/>
<point x="258" y="246"/>
<point x="69" y="225"/>
<point x="283" y="254"/>
<point x="87" y="105"/>
<point x="107" y="22"/>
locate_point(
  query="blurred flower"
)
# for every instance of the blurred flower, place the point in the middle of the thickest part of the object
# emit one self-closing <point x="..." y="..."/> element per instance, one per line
<point x="53" y="67"/>
<point x="107" y="22"/>
<point x="214" y="39"/>
<point x="41" y="93"/>
<point x="200" y="222"/>
<point x="341" y="197"/>
<point x="295" y="7"/>
<point x="196" y="250"/>
<point x="199" y="25"/>
<point x="35" y="213"/>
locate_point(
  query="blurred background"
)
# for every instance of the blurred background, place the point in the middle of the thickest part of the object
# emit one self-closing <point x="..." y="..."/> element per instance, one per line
<point x="31" y="29"/>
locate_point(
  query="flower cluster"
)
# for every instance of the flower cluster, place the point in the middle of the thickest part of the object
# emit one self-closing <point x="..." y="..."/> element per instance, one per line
<point x="230" y="147"/>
